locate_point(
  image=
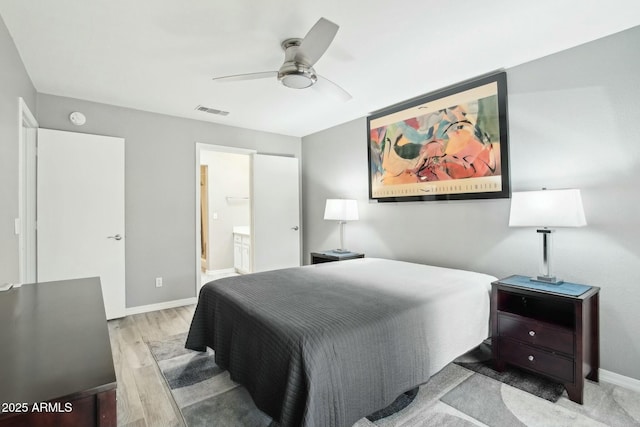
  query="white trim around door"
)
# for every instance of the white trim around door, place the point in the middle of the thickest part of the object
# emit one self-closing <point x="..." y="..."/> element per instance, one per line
<point x="25" y="224"/>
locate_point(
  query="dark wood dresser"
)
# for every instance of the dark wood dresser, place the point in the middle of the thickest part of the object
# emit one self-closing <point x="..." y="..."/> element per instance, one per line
<point x="540" y="329"/>
<point x="56" y="366"/>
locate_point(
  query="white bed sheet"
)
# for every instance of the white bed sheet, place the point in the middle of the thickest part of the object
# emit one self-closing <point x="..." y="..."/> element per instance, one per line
<point x="457" y="302"/>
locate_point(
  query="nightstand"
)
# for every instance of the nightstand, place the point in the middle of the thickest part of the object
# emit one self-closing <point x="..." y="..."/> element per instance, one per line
<point x="329" y="256"/>
<point x="552" y="330"/>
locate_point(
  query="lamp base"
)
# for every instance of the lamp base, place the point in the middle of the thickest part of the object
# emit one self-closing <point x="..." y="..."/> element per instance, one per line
<point x="545" y="264"/>
<point x="549" y="280"/>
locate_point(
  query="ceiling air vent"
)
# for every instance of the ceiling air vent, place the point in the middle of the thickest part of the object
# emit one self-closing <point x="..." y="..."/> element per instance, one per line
<point x="211" y="110"/>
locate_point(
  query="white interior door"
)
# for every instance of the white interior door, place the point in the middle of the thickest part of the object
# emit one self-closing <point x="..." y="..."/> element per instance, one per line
<point x="275" y="212"/>
<point x="80" y="191"/>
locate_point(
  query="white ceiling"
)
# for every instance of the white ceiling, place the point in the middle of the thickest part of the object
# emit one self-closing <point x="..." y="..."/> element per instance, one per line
<point x="160" y="55"/>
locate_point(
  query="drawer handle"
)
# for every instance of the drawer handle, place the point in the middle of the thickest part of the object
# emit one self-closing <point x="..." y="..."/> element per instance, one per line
<point x="530" y="358"/>
<point x="532" y="333"/>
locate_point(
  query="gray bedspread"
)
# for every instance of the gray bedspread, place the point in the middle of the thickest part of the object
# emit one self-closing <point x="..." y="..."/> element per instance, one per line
<point x="315" y="346"/>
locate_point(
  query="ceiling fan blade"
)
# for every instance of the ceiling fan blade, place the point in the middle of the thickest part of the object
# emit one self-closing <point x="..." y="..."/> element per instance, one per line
<point x="247" y="76"/>
<point x="316" y="42"/>
<point x="325" y="85"/>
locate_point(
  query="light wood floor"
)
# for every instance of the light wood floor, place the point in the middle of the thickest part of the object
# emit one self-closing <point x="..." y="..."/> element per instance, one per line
<point x="143" y="396"/>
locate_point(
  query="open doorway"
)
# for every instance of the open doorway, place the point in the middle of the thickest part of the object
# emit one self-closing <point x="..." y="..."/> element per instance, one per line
<point x="223" y="212"/>
<point x="250" y="229"/>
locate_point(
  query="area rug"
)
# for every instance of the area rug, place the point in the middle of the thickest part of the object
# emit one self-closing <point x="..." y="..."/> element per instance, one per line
<point x="206" y="396"/>
<point x="398" y="405"/>
<point x="200" y="388"/>
<point x="495" y="404"/>
<point x="203" y="392"/>
<point x="479" y="360"/>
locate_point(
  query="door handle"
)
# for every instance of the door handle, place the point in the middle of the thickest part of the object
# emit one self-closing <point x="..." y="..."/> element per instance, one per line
<point x="295" y="228"/>
<point x="116" y="237"/>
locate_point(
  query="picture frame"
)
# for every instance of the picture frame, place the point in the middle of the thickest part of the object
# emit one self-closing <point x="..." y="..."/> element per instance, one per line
<point x="451" y="144"/>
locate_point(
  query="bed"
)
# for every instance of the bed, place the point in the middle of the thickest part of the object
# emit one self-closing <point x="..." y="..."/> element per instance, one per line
<point x="327" y="344"/>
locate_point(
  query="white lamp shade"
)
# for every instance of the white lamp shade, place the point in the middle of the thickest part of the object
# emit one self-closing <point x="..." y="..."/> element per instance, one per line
<point x="547" y="208"/>
<point x="341" y="210"/>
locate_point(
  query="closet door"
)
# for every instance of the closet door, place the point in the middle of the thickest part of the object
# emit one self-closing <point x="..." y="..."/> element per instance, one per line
<point x="80" y="208"/>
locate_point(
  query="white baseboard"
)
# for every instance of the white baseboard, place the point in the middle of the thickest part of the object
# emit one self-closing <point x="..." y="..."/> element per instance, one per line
<point x="620" y="380"/>
<point x="160" y="306"/>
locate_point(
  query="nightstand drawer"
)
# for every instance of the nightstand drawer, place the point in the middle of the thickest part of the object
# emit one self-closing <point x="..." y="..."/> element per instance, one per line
<point x="536" y="333"/>
<point x="536" y="359"/>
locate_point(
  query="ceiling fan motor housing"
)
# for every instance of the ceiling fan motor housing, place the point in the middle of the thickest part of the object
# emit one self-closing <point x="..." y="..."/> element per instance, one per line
<point x="295" y="73"/>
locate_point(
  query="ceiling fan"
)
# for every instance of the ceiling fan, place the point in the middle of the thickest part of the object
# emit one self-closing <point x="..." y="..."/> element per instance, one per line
<point x="299" y="56"/>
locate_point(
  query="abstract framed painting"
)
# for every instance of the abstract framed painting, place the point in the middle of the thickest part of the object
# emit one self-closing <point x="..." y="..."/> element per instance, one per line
<point x="447" y="145"/>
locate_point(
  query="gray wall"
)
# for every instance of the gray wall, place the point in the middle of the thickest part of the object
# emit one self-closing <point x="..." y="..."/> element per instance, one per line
<point x="14" y="83"/>
<point x="160" y="187"/>
<point x="573" y="123"/>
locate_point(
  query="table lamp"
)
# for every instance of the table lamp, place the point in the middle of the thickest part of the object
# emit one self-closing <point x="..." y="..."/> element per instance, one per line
<point x="341" y="210"/>
<point x="547" y="209"/>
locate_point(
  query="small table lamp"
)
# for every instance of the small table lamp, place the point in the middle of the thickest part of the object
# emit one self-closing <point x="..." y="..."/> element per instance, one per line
<point x="547" y="208"/>
<point x="341" y="210"/>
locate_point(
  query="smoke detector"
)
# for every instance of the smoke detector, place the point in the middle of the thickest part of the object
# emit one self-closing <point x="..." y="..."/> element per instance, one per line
<point x="77" y="118"/>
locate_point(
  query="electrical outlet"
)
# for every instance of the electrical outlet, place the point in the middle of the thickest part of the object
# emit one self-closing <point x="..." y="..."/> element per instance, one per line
<point x="215" y="215"/>
<point x="158" y="282"/>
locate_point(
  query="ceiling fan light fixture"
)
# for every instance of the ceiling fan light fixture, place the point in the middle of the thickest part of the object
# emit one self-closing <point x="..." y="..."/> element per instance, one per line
<point x="296" y="81"/>
<point x="297" y="76"/>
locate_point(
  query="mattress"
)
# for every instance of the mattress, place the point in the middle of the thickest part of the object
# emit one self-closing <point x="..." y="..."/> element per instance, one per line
<point x="326" y="344"/>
